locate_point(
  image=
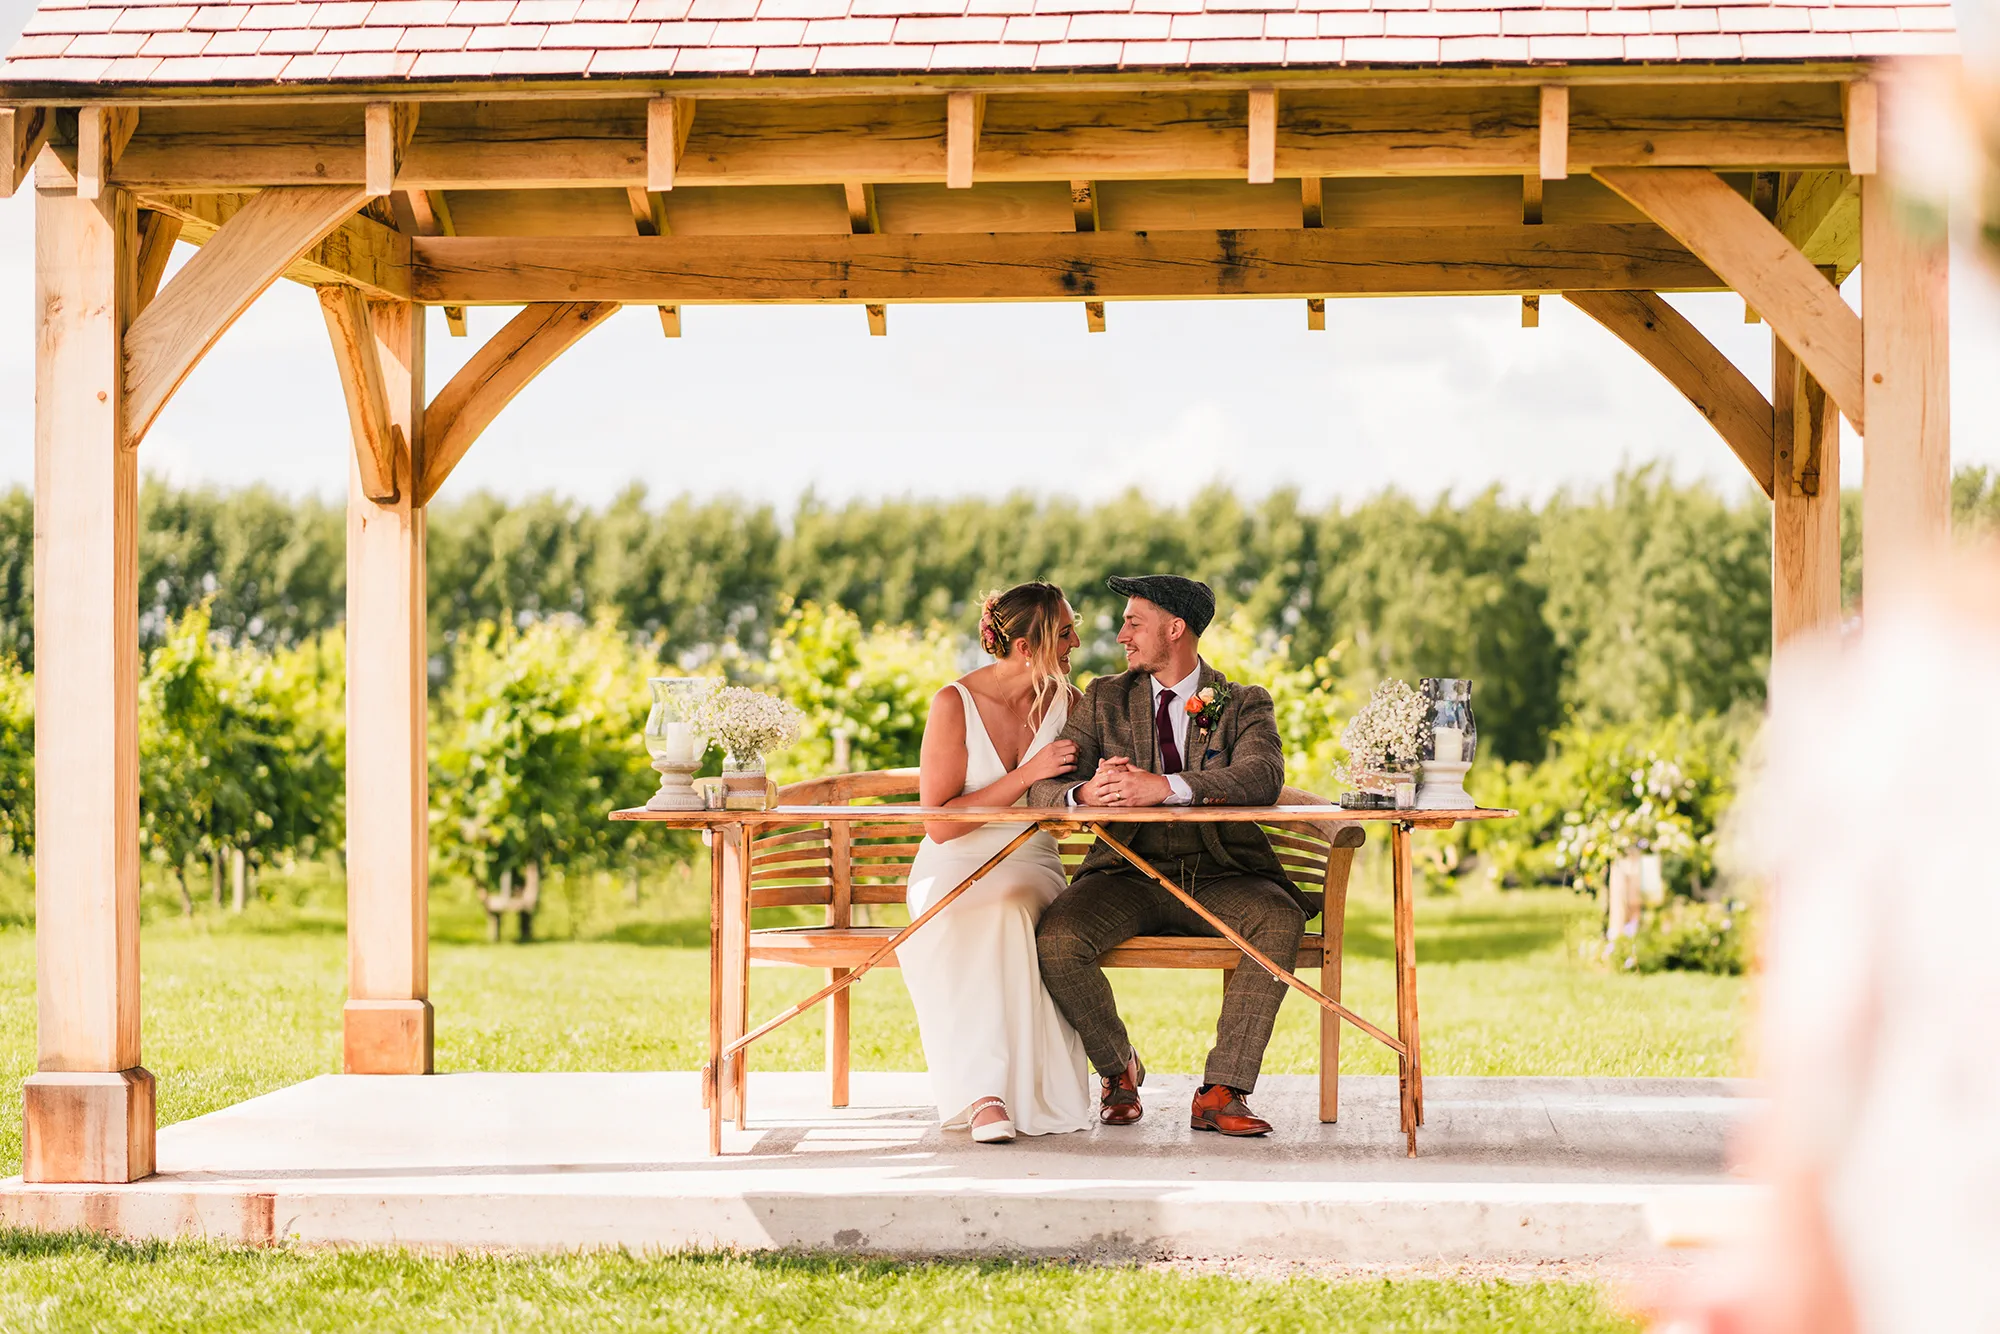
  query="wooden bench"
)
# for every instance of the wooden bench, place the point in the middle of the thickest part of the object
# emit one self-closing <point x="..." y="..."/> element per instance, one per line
<point x="840" y="867"/>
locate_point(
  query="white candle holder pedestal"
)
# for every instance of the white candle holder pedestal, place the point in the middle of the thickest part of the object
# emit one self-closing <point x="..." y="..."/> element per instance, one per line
<point x="1443" y="787"/>
<point x="676" y="786"/>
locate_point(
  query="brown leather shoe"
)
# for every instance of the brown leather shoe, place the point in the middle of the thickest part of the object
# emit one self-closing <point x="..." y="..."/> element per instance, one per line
<point x="1118" y="1105"/>
<point x="1223" y="1110"/>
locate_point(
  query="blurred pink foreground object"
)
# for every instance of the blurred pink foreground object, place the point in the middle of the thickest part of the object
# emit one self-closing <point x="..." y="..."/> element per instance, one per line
<point x="1872" y="822"/>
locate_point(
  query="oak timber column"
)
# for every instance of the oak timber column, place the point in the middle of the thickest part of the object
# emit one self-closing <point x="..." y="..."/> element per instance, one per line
<point x="1805" y="501"/>
<point x="1906" y="456"/>
<point x="388" y="1015"/>
<point x="89" y="1105"/>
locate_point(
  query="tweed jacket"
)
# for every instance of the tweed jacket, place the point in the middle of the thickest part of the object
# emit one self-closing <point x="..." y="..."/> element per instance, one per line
<point x="1238" y="762"/>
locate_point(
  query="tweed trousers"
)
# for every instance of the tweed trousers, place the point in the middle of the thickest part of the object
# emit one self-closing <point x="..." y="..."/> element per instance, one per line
<point x="1105" y="908"/>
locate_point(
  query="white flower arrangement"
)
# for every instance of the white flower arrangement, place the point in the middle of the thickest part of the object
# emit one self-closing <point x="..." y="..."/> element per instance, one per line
<point x="748" y="722"/>
<point x="1386" y="733"/>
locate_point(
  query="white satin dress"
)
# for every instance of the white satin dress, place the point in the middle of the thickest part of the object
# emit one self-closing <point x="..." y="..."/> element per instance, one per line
<point x="989" y="1026"/>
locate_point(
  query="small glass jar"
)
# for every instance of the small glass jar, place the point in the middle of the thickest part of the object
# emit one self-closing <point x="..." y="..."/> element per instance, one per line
<point x="1451" y="736"/>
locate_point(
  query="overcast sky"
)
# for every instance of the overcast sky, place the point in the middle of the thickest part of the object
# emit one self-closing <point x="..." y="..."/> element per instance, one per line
<point x="1425" y="395"/>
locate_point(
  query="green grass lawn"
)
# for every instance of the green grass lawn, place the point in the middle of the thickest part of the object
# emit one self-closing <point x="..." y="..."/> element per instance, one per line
<point x="235" y="1006"/>
<point x="74" y="1283"/>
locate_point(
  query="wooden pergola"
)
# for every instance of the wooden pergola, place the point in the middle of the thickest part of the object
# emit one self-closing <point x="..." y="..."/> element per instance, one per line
<point x="573" y="156"/>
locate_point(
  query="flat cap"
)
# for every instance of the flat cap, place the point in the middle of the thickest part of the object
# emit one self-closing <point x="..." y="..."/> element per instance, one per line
<point x="1189" y="599"/>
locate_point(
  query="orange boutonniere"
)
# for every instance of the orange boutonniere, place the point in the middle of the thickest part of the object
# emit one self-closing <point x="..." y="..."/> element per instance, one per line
<point x="1204" y="708"/>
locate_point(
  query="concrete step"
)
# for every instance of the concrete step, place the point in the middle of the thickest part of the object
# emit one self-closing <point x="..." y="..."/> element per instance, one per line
<point x="1510" y="1169"/>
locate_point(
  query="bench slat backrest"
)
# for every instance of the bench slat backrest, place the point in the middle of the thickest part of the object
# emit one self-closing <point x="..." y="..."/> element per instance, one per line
<point x="838" y="867"/>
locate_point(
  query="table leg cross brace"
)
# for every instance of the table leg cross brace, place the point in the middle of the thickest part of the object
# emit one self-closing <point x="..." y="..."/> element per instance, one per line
<point x="1304" y="988"/>
<point x="888" y="947"/>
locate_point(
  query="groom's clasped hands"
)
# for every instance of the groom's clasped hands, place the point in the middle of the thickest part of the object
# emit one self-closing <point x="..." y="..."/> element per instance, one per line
<point x="1119" y="782"/>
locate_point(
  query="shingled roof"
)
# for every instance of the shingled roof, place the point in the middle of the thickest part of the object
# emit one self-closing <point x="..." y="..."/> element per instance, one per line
<point x="239" y="41"/>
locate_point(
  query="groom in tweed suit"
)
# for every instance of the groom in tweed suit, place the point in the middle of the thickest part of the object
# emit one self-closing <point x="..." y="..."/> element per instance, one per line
<point x="1137" y="744"/>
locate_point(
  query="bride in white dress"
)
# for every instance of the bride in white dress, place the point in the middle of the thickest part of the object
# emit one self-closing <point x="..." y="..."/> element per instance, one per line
<point x="1003" y="1061"/>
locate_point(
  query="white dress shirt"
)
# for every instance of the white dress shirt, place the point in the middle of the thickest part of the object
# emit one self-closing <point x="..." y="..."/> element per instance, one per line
<point x="1182" y="794"/>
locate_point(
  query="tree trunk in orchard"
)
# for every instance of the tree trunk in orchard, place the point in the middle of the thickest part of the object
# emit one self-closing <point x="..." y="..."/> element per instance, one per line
<point x="215" y="875"/>
<point x="239" y="878"/>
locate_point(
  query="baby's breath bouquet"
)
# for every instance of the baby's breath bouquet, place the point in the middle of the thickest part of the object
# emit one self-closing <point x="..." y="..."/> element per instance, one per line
<point x="1384" y="736"/>
<point x="747" y="723"/>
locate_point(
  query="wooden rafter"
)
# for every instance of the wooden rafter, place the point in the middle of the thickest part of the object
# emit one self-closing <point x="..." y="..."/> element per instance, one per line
<point x="246" y="255"/>
<point x="387" y="129"/>
<point x="669" y="121"/>
<point x="520" y="351"/>
<point x="1722" y="394"/>
<point x="649" y="218"/>
<point x="23" y="131"/>
<point x="1552" y="134"/>
<point x="1058" y="266"/>
<point x="963" y="114"/>
<point x="378" y="443"/>
<point x="1262" y="152"/>
<point x="1750" y="254"/>
<point x="101" y="135"/>
<point x="360" y="251"/>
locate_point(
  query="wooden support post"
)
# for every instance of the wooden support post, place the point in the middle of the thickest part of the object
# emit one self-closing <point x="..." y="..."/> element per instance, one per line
<point x="388" y="1014"/>
<point x="89" y="1105"/>
<point x="1555" y="132"/>
<point x="1906" y="461"/>
<point x="1805" y="503"/>
<point x="1263" y="146"/>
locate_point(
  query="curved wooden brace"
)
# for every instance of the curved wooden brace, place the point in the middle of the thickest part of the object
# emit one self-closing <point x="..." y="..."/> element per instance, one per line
<point x="378" y="441"/>
<point x="246" y="255"/>
<point x="1675" y="348"/>
<point x="497" y="372"/>
<point x="1727" y="233"/>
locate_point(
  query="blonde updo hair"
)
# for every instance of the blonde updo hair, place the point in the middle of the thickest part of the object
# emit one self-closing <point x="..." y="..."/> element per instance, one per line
<point x="1032" y="612"/>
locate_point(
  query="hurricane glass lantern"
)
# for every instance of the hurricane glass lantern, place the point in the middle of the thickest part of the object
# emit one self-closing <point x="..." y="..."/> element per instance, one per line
<point x="674" y="740"/>
<point x="1450" y="737"/>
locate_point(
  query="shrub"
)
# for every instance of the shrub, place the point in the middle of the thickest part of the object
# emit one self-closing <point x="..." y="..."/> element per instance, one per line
<point x="1685" y="935"/>
<point x="1652" y="787"/>
<point x="874" y="686"/>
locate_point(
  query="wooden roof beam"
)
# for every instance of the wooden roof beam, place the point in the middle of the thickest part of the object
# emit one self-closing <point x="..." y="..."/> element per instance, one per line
<point x="1053" y="266"/>
<point x="1445" y="130"/>
<point x="1750" y="254"/>
<point x="246" y="255"/>
<point x="102" y="133"/>
<point x="1722" y="394"/>
<point x="523" y="349"/>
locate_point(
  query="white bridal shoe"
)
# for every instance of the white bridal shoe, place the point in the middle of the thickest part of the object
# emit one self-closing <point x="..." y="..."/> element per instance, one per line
<point x="993" y="1132"/>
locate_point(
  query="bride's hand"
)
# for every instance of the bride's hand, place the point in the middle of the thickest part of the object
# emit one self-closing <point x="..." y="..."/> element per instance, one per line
<point x="1051" y="761"/>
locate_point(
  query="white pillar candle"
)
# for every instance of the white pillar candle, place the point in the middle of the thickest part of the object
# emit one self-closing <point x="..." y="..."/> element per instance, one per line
<point x="1448" y="745"/>
<point x="680" y="743"/>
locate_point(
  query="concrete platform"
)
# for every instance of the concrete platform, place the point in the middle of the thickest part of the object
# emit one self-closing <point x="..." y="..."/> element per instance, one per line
<point x="1511" y="1169"/>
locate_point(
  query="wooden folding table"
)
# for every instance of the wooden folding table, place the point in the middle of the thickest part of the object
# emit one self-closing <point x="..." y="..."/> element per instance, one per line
<point x="729" y="913"/>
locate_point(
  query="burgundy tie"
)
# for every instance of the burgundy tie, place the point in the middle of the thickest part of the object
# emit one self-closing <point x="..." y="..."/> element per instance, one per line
<point x="1163" y="723"/>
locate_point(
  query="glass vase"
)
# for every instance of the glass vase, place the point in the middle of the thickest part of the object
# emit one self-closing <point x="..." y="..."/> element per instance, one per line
<point x="744" y="785"/>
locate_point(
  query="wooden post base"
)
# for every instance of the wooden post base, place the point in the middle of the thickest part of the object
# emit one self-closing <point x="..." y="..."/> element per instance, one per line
<point x="87" y="1126"/>
<point x="387" y="1037"/>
